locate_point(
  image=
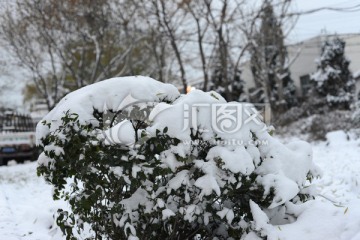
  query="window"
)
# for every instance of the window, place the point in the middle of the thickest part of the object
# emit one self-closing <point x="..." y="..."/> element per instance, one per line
<point x="305" y="84"/>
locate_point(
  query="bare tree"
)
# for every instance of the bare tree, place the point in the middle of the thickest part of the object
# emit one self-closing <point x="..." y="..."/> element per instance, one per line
<point x="200" y="15"/>
<point x="169" y="20"/>
<point x="70" y="44"/>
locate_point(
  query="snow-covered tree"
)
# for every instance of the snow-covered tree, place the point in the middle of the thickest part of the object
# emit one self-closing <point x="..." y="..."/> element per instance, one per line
<point x="333" y="79"/>
<point x="229" y="85"/>
<point x="269" y="62"/>
<point x="137" y="160"/>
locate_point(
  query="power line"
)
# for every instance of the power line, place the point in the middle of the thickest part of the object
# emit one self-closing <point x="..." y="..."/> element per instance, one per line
<point x="355" y="8"/>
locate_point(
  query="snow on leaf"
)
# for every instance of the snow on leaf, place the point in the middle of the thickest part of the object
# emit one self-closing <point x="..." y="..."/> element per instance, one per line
<point x="181" y="178"/>
<point x="261" y="220"/>
<point x="228" y="213"/>
<point x="285" y="188"/>
<point x="207" y="184"/>
<point x="131" y="227"/>
<point x="236" y="161"/>
<point x="167" y="213"/>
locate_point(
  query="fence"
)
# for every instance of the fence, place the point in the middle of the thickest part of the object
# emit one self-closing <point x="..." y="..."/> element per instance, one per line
<point x="12" y="121"/>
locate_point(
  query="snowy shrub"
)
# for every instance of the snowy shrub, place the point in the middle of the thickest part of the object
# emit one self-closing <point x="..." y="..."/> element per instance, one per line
<point x="162" y="167"/>
<point x="316" y="126"/>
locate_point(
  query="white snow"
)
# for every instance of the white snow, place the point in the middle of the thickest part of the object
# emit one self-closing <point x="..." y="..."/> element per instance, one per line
<point x="261" y="220"/>
<point x="197" y="110"/>
<point x="228" y="213"/>
<point x="207" y="184"/>
<point x="27" y="208"/>
<point x="169" y="160"/>
<point x="294" y="161"/>
<point x="133" y="202"/>
<point x="323" y="74"/>
<point x="285" y="189"/>
<point x="236" y="161"/>
<point x="166" y="213"/>
<point x="26" y="205"/>
<point x="109" y="94"/>
<point x="121" y="133"/>
<point x="194" y="107"/>
<point x="356" y="74"/>
<point x="181" y="178"/>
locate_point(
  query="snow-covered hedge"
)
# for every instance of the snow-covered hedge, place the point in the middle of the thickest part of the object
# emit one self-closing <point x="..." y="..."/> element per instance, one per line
<point x="134" y="162"/>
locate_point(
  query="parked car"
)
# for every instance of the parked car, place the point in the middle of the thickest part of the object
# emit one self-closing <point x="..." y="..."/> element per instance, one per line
<point x="17" y="137"/>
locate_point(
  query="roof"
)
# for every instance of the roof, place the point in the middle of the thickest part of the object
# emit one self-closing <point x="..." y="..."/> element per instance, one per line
<point x="323" y="37"/>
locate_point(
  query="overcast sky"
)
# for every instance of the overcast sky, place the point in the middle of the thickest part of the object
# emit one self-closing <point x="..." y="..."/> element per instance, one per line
<point x="330" y="21"/>
<point x="307" y="26"/>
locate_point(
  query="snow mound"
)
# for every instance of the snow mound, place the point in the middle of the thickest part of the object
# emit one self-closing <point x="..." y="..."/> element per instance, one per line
<point x="337" y="137"/>
<point x="112" y="94"/>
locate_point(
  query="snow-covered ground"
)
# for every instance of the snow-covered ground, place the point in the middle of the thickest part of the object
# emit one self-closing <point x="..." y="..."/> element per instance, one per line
<point x="27" y="208"/>
<point x="26" y="205"/>
<point x="335" y="214"/>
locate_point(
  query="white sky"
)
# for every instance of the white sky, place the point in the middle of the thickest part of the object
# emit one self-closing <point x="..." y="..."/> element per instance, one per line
<point x="332" y="22"/>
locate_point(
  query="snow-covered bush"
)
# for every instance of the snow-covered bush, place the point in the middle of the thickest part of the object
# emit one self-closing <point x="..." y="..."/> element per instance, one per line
<point x="183" y="170"/>
<point x="333" y="79"/>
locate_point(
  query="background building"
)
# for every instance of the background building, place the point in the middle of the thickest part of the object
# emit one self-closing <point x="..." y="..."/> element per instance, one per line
<point x="302" y="60"/>
<point x="305" y="54"/>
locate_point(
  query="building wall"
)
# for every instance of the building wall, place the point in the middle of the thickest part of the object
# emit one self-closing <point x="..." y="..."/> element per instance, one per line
<point x="352" y="52"/>
<point x="303" y="55"/>
<point x="306" y="53"/>
<point x="302" y="60"/>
